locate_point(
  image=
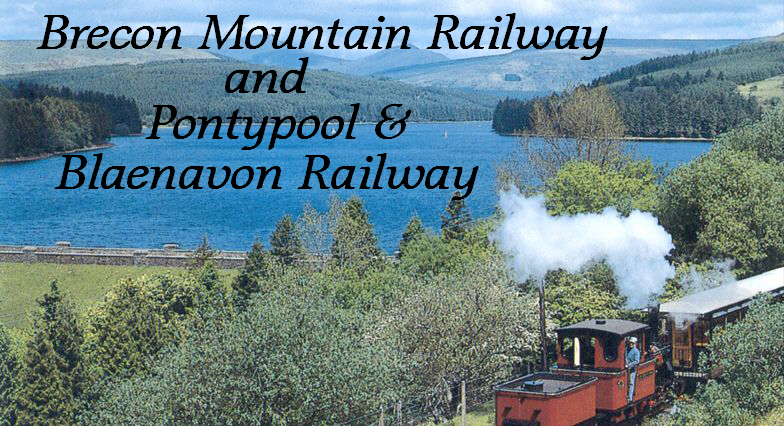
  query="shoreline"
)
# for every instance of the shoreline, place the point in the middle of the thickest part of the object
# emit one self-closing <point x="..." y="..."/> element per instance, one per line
<point x="640" y="138"/>
<point x="170" y="126"/>
<point x="52" y="154"/>
<point x="663" y="139"/>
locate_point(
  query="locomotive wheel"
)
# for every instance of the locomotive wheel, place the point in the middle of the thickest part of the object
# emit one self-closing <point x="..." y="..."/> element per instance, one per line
<point x="681" y="386"/>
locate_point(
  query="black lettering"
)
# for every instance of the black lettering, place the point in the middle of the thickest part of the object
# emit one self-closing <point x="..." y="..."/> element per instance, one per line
<point x="347" y="181"/>
<point x="264" y="172"/>
<point x="157" y="121"/>
<point x="93" y="34"/>
<point x="439" y="31"/>
<point x="300" y="75"/>
<point x="597" y="45"/>
<point x="133" y="174"/>
<point x="59" y="31"/>
<point x="234" y="177"/>
<point x="469" y="185"/>
<point x="67" y="170"/>
<point x="158" y="172"/>
<point x="220" y="41"/>
<point x="117" y="182"/>
<point x="306" y="183"/>
<point x="194" y="183"/>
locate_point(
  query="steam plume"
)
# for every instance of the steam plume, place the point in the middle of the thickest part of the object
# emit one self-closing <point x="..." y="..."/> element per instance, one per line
<point x="634" y="247"/>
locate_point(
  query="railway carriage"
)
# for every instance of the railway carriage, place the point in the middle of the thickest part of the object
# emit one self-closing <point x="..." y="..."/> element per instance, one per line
<point x="686" y="323"/>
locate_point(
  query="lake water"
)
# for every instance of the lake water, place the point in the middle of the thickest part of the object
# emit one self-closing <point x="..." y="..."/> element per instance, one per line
<point x="34" y="212"/>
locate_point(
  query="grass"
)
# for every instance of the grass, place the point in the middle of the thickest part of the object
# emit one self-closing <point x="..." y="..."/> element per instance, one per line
<point x="22" y="284"/>
<point x="765" y="90"/>
<point x="484" y="415"/>
<point x="775" y="417"/>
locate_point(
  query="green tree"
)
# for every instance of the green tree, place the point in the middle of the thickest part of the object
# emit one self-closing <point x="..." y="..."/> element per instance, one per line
<point x="137" y="318"/>
<point x="286" y="244"/>
<point x="56" y="343"/>
<point x="294" y="357"/>
<point x="584" y="187"/>
<point x="572" y="298"/>
<point x="59" y="322"/>
<point x="43" y="396"/>
<point x="369" y="291"/>
<point x="765" y="137"/>
<point x="432" y="255"/>
<point x="208" y="277"/>
<point x="726" y="204"/>
<point x="414" y="230"/>
<point x="203" y="253"/>
<point x="583" y="124"/>
<point x="9" y="371"/>
<point x="463" y="326"/>
<point x="259" y="266"/>
<point x="456" y="218"/>
<point x="354" y="242"/>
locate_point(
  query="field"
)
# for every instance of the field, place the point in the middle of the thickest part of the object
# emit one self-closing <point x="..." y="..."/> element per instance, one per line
<point x="765" y="90"/>
<point x="22" y="284"/>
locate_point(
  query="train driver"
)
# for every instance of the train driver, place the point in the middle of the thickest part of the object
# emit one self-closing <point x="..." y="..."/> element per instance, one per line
<point x="632" y="359"/>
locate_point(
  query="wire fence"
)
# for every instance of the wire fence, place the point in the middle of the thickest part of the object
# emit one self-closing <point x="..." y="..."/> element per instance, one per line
<point x="433" y="407"/>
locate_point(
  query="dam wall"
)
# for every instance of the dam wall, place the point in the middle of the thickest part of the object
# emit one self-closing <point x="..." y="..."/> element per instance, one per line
<point x="62" y="253"/>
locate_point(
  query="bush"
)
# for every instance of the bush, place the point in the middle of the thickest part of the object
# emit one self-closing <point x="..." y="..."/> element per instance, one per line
<point x="750" y="356"/>
<point x="293" y="357"/>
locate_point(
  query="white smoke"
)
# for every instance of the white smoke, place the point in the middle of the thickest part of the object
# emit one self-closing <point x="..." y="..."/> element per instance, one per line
<point x="718" y="274"/>
<point x="693" y="281"/>
<point x="634" y="247"/>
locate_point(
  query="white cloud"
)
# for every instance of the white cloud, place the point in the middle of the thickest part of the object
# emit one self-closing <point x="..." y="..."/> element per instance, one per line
<point x="625" y="19"/>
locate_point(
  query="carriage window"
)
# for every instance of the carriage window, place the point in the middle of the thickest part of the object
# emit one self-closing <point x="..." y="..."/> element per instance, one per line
<point x="611" y="348"/>
<point x="701" y="333"/>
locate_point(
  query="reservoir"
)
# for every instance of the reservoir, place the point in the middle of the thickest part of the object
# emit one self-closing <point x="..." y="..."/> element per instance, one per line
<point x="32" y="211"/>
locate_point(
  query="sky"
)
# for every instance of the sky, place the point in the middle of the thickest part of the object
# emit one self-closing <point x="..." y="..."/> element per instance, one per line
<point x="636" y="19"/>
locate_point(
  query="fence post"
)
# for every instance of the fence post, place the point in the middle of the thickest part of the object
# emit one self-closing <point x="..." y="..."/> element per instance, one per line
<point x="463" y="402"/>
<point x="399" y="410"/>
<point x="381" y="418"/>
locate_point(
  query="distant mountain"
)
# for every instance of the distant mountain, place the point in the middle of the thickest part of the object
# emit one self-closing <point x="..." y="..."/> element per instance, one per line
<point x="520" y="73"/>
<point x="196" y="88"/>
<point x="385" y="60"/>
<point x="286" y="58"/>
<point x="19" y="56"/>
<point x="775" y="38"/>
<point x="374" y="63"/>
<point x="529" y="71"/>
<point x="291" y="59"/>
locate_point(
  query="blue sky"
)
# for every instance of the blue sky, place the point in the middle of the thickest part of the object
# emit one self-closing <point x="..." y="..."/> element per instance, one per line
<point x="624" y="18"/>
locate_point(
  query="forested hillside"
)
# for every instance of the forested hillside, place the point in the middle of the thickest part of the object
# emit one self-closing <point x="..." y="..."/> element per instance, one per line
<point x="36" y="120"/>
<point x="692" y="95"/>
<point x="197" y="88"/>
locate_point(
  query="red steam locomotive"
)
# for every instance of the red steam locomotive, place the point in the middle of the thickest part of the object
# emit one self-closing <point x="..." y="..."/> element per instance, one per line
<point x="589" y="383"/>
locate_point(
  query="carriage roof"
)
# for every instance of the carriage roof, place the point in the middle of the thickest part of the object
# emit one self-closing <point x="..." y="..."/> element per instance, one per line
<point x="714" y="299"/>
<point x="609" y="326"/>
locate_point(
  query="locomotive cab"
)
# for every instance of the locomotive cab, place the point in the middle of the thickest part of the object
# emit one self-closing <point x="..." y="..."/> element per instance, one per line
<point x="598" y="348"/>
<point x="590" y="374"/>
